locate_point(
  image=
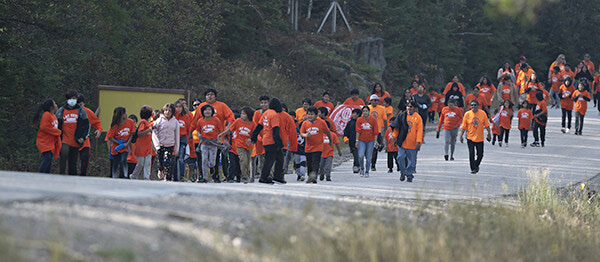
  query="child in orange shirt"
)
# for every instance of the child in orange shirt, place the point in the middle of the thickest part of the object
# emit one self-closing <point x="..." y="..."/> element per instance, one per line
<point x="525" y="116"/>
<point x="242" y="131"/>
<point x="505" y="121"/>
<point x="208" y="128"/>
<point x="391" y="148"/>
<point x="119" y="134"/>
<point x="581" y="98"/>
<point x="143" y="150"/>
<point x="48" y="136"/>
<point x="495" y="129"/>
<point x="313" y="130"/>
<point x="326" y="162"/>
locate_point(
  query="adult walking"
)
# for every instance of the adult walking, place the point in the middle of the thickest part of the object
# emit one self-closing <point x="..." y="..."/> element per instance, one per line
<point x="272" y="142"/>
<point x="409" y="137"/>
<point x="474" y="122"/>
<point x="75" y="125"/>
<point x="424" y="103"/>
<point x="451" y="118"/>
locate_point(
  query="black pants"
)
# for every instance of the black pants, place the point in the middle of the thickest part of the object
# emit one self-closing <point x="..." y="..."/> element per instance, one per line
<point x="596" y="98"/>
<point x="524" y="133"/>
<point x="392" y="158"/>
<point x="431" y="116"/>
<point x="495" y="137"/>
<point x="354" y="152"/>
<point x="539" y="132"/>
<point x="84" y="156"/>
<point x="223" y="157"/>
<point x="475" y="146"/>
<point x="578" y="122"/>
<point x="312" y="161"/>
<point x="503" y="134"/>
<point x="46" y="166"/>
<point x="566" y="114"/>
<point x="234" y="167"/>
<point x="375" y="150"/>
<point x="199" y="163"/>
<point x="273" y="155"/>
<point x="130" y="168"/>
<point x="68" y="154"/>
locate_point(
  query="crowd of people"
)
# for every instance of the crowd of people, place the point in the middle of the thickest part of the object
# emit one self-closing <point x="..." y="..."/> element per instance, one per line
<point x="191" y="144"/>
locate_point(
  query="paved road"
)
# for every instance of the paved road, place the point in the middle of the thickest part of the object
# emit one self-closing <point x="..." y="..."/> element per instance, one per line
<point x="567" y="157"/>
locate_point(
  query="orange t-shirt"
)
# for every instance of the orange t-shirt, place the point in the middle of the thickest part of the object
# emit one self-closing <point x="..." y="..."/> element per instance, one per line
<point x="222" y="111"/>
<point x="581" y="103"/>
<point x="590" y="65"/>
<point x="69" y="124"/>
<point x="434" y="102"/>
<point x="368" y="129"/>
<point x="389" y="139"/>
<point x="505" y="91"/>
<point x="487" y="91"/>
<point x="461" y="88"/>
<point x="415" y="131"/>
<point x="48" y="136"/>
<point x="441" y="101"/>
<point x="556" y="80"/>
<point x="480" y="98"/>
<point x="570" y="74"/>
<point x="495" y="129"/>
<point x="270" y="120"/>
<point x="183" y="121"/>
<point x="389" y="111"/>
<point x="506" y="117"/>
<point x="543" y="106"/>
<point x="525" y="116"/>
<point x="531" y="94"/>
<point x="242" y="131"/>
<point x="287" y="131"/>
<point x="94" y="122"/>
<point x="451" y="118"/>
<point x="314" y="142"/>
<point x="566" y="102"/>
<point x="379" y="113"/>
<point x="120" y="132"/>
<point x="524" y="78"/>
<point x="351" y="102"/>
<point x="327" y="148"/>
<point x="475" y="123"/>
<point x="143" y="145"/>
<point x="328" y="105"/>
<point x="300" y="114"/>
<point x="209" y="129"/>
<point x="382" y="95"/>
<point x="258" y="146"/>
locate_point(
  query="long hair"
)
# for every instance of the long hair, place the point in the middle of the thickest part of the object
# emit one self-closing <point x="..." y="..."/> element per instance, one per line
<point x="375" y="87"/>
<point x="43" y="107"/>
<point x="487" y="80"/>
<point x="117" y="115"/>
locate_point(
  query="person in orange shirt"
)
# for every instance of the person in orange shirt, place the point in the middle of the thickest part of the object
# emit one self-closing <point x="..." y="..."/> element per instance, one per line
<point x="441" y="103"/>
<point x="567" y="72"/>
<point x="209" y="127"/>
<point x="143" y="150"/>
<point x="408" y="134"/>
<point x="595" y="87"/>
<point x="525" y="116"/>
<point x="581" y="97"/>
<point x="506" y="72"/>
<point x="313" y="130"/>
<point x="270" y="125"/>
<point x="522" y="60"/>
<point x="450" y="118"/>
<point x="75" y="125"/>
<point x="131" y="159"/>
<point x="119" y="134"/>
<point x="354" y="99"/>
<point x="495" y="129"/>
<point x="461" y="88"/>
<point x="391" y="148"/>
<point x="241" y="142"/>
<point x="566" y="103"/>
<point x="588" y="62"/>
<point x="555" y="80"/>
<point x="289" y="137"/>
<point x="531" y="88"/>
<point x="378" y="90"/>
<point x="379" y="114"/>
<point x="326" y="162"/>
<point x="486" y="88"/>
<point x="184" y="118"/>
<point x="414" y="87"/>
<point x="560" y="62"/>
<point x="476" y="96"/>
<point x="433" y="96"/>
<point x="301" y="112"/>
<point x="524" y="76"/>
<point x="84" y="150"/>
<point x="540" y="115"/>
<point x="507" y="90"/>
<point x="367" y="130"/>
<point x="474" y="122"/>
<point x="389" y="109"/>
<point x="325" y="102"/>
<point x="506" y="115"/>
<point x="259" y="150"/>
<point x="48" y="136"/>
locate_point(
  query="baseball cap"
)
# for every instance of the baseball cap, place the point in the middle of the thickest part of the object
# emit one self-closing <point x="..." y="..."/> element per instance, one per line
<point x="374" y="97"/>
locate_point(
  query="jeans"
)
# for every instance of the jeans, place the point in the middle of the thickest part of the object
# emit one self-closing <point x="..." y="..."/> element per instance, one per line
<point x="181" y="158"/>
<point x="450" y="140"/>
<point x="273" y="156"/>
<point x="143" y="166"/>
<point x="325" y="166"/>
<point x="365" y="149"/>
<point x="392" y="157"/>
<point x="407" y="158"/>
<point x="541" y="129"/>
<point x="566" y="114"/>
<point x="524" y="135"/>
<point x="289" y="156"/>
<point x="375" y="151"/>
<point x="234" y="168"/>
<point x="504" y="134"/>
<point x="300" y="164"/>
<point x="119" y="164"/>
<point x="68" y="154"/>
<point x="209" y="158"/>
<point x="84" y="156"/>
<point x="46" y="166"/>
<point x="475" y="146"/>
<point x="354" y="152"/>
<point x="578" y="122"/>
<point x="244" y="156"/>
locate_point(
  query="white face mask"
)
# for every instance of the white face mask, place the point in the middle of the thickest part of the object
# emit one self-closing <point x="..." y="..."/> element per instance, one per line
<point x="71" y="102"/>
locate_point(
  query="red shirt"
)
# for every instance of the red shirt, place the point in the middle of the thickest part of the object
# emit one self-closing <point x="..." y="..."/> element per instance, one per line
<point x="314" y="142"/>
<point x="367" y="129"/>
<point x="451" y="118"/>
<point x="120" y="132"/>
<point x="524" y="115"/>
<point x="69" y="124"/>
<point x="209" y="129"/>
<point x="270" y="120"/>
<point x="389" y="139"/>
<point x="143" y="145"/>
<point x="327" y="148"/>
<point x="242" y="131"/>
<point x="48" y="136"/>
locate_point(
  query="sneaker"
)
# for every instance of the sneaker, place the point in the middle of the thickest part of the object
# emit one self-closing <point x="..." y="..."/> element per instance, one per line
<point x="245" y="180"/>
<point x="542" y="144"/>
<point x="302" y="178"/>
<point x="523" y="145"/>
<point x="390" y="170"/>
<point x="362" y="173"/>
<point x="230" y="181"/>
<point x="567" y="130"/>
<point x="493" y="142"/>
<point x="328" y="179"/>
<point x="402" y="177"/>
<point x="499" y="144"/>
<point x="270" y="182"/>
<point x="355" y="169"/>
<point x="535" y="144"/>
<point x="373" y="169"/>
<point x="446" y="157"/>
<point x="451" y="158"/>
<point x="409" y="180"/>
<point x="564" y="130"/>
<point x="322" y="177"/>
<point x="506" y="145"/>
<point x="298" y="178"/>
<point x="280" y="181"/>
<point x="366" y="175"/>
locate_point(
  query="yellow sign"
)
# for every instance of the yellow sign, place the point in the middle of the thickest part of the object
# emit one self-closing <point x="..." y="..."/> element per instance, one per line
<point x="132" y="99"/>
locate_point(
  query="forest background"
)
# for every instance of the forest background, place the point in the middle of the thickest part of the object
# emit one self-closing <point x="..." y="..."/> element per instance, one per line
<point x="246" y="48"/>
